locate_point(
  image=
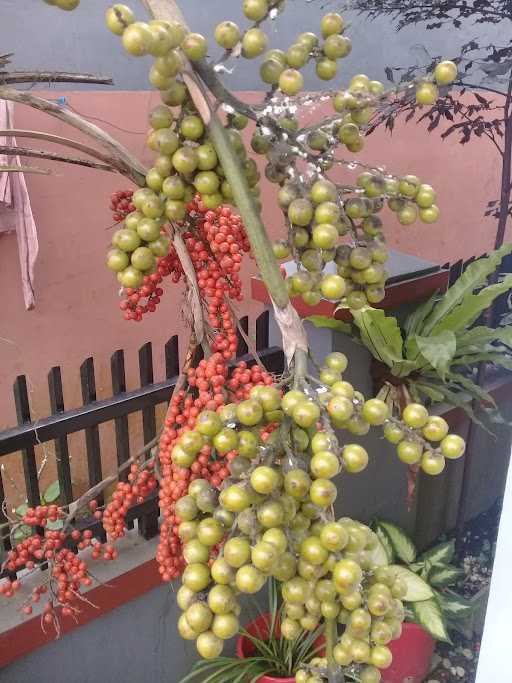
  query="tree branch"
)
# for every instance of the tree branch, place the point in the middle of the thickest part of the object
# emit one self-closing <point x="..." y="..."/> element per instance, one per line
<point x="53" y="77"/>
<point x="132" y="168"/>
<point x="41" y="154"/>
<point x="24" y="169"/>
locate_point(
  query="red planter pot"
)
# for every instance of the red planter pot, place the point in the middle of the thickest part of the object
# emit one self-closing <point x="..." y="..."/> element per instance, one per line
<point x="260" y="628"/>
<point x="412" y="654"/>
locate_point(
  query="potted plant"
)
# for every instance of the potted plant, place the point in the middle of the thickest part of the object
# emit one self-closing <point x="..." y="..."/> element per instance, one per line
<point x="431" y="607"/>
<point x="433" y="354"/>
<point x="263" y="655"/>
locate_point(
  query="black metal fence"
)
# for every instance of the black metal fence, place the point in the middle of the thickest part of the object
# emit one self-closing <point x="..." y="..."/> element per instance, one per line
<point x="57" y="426"/>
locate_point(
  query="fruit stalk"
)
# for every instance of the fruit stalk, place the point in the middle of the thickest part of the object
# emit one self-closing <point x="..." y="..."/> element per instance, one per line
<point x="334" y="673"/>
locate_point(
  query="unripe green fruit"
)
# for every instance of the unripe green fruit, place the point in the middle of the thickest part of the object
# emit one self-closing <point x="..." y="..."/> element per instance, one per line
<point x="435" y="429"/>
<point x="332" y="287"/>
<point x="331" y="24"/>
<point x="453" y="446"/>
<point x="169" y="64"/>
<point x="117" y="260"/>
<point x="264" y="479"/>
<point x="393" y="433"/>
<point x="336" y="47"/>
<point x="221" y="599"/>
<point x="445" y="72"/>
<point x="196" y="577"/>
<point x="137" y="39"/>
<point x="159" y="80"/>
<point x="249" y="579"/>
<point x="300" y="212"/>
<point x="429" y="215"/>
<point x="432" y="463"/>
<point x="427" y="93"/>
<point x="255" y="10"/>
<point x="297" y="484"/>
<point x="334" y="536"/>
<point x="291" y="82"/>
<point x="225" y="626"/>
<point x="254" y="43"/>
<point x="355" y="458"/>
<point x="381" y="657"/>
<point x="323" y="493"/>
<point x="312" y="550"/>
<point x="249" y="412"/>
<point x="305" y="414"/>
<point x="210" y="531"/>
<point x="209" y="645"/>
<point x="375" y="411"/>
<point x="324" y="236"/>
<point x="175" y="95"/>
<point x="415" y="415"/>
<point x="326" y="69"/>
<point x="195" y="46"/>
<point x="227" y="34"/>
<point x="118" y="17"/>
<point x="297" y="56"/>
<point x="409" y="451"/>
<point x="324" y="465"/>
<point x="340" y="408"/>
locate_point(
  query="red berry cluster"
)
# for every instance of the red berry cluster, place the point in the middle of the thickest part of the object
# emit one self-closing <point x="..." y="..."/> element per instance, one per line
<point x="138" y="487"/>
<point x="210" y="380"/>
<point x="121" y="204"/>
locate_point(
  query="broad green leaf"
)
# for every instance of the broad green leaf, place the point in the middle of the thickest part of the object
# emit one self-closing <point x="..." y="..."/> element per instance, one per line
<point x="488" y="357"/>
<point x="415" y="319"/>
<point x="331" y="323"/>
<point x="438" y="350"/>
<point x="379" y="555"/>
<point x="478" y="337"/>
<point x="402" y="545"/>
<point x="21" y="510"/>
<point x="417" y="588"/>
<point x="452" y="605"/>
<point x="443" y="576"/>
<point x="403" y="368"/>
<point x="473" y="277"/>
<point x="52" y="493"/>
<point x="385" y="543"/>
<point x="380" y="334"/>
<point x="57" y="525"/>
<point x="428" y="614"/>
<point x="21" y="533"/>
<point x="459" y="401"/>
<point x="472" y="306"/>
<point x="442" y="553"/>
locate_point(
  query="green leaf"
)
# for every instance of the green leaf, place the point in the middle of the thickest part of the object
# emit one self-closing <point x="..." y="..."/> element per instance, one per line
<point x="443" y="576"/>
<point x="380" y="334"/>
<point x="385" y="542"/>
<point x="453" y="606"/>
<point x="442" y="553"/>
<point x="331" y="323"/>
<point x="21" y="510"/>
<point x="415" y="319"/>
<point x="472" y="388"/>
<point x="438" y="350"/>
<point x="428" y="614"/>
<point x="429" y="391"/>
<point x="472" y="306"/>
<point x="52" y="493"/>
<point x="417" y="588"/>
<point x="379" y="555"/>
<point x="478" y="337"/>
<point x="21" y="533"/>
<point x="487" y="356"/>
<point x="57" y="525"/>
<point x="473" y="277"/>
<point x="402" y="545"/>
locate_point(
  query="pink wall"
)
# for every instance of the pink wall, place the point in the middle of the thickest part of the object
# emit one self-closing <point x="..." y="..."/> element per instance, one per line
<point x="76" y="312"/>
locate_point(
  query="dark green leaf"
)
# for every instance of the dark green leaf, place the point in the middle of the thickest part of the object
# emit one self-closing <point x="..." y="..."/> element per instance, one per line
<point x="438" y="350"/>
<point x="472" y="388"/>
<point x="473" y="277"/>
<point x="442" y="553"/>
<point x="380" y="334"/>
<point x="415" y="319"/>
<point x="331" y="323"/>
<point x="452" y="605"/>
<point x="472" y="306"/>
<point x="428" y="614"/>
<point x="402" y="545"/>
<point x="429" y="391"/>
<point x="443" y="576"/>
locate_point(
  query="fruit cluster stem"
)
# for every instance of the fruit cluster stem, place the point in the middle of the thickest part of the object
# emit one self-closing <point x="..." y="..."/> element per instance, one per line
<point x="334" y="673"/>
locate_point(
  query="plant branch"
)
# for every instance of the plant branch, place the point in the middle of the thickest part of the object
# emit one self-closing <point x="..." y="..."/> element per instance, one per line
<point x="59" y="140"/>
<point x="41" y="154"/>
<point x="24" y="169"/>
<point x="121" y="157"/>
<point x="53" y="77"/>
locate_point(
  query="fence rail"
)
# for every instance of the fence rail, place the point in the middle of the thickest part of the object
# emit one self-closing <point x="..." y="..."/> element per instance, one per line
<point x="56" y="427"/>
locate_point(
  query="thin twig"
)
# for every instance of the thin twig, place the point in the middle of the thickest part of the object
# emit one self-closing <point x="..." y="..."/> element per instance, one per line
<point x="53" y="77"/>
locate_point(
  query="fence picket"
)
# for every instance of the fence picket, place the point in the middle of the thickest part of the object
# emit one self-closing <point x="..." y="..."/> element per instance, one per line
<point x="172" y="358"/>
<point x="28" y="454"/>
<point x="146" y="378"/>
<point x="61" y="442"/>
<point x="92" y="434"/>
<point x="121" y="423"/>
<point x="262" y="331"/>
<point x="242" y="348"/>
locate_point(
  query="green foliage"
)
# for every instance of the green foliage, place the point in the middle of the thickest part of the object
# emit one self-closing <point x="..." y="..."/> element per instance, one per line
<point x="437" y="350"/>
<point x="427" y="578"/>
